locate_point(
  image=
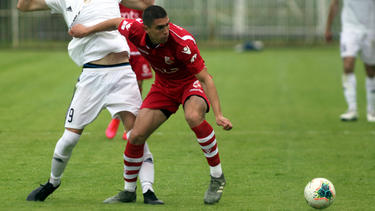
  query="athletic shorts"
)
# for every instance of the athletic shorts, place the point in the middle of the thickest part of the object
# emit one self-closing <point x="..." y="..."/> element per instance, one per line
<point x="171" y="98"/>
<point x="140" y="66"/>
<point x="353" y="43"/>
<point x="113" y="87"/>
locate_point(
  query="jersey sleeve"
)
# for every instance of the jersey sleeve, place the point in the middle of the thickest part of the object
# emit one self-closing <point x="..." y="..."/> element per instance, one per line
<point x="190" y="56"/>
<point x="128" y="27"/>
<point x="56" y="6"/>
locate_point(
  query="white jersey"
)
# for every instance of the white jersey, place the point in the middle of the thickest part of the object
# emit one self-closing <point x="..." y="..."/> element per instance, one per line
<point x="358" y="15"/>
<point x="88" y="13"/>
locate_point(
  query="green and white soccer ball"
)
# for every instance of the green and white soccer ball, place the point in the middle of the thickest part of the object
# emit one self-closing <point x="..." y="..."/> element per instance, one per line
<point x="320" y="193"/>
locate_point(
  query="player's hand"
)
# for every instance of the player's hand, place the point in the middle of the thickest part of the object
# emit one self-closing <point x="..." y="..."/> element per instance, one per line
<point x="224" y="122"/>
<point x="79" y="31"/>
<point x="328" y="36"/>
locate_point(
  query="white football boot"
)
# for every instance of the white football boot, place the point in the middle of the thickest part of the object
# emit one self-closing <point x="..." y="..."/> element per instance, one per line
<point x="371" y="117"/>
<point x="350" y="115"/>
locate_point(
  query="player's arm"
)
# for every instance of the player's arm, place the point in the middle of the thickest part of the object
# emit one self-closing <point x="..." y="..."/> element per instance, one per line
<point x="137" y="4"/>
<point x="80" y="30"/>
<point x="210" y="89"/>
<point x="333" y="9"/>
<point x="31" y="5"/>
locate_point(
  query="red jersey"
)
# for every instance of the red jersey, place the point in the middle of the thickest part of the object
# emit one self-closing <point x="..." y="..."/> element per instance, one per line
<point x="131" y="14"/>
<point x="175" y="62"/>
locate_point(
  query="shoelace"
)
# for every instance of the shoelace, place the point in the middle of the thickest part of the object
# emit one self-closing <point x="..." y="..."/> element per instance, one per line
<point x="45" y="189"/>
<point x="151" y="195"/>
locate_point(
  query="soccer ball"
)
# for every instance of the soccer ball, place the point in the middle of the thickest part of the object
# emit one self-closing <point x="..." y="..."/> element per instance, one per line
<point x="320" y="193"/>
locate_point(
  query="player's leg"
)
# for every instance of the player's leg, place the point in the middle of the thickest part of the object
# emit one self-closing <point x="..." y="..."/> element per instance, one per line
<point x="370" y="92"/>
<point x="124" y="135"/>
<point x="80" y="113"/>
<point x="349" y="47"/>
<point x="146" y="178"/>
<point x="368" y="57"/>
<point x="349" y="83"/>
<point x="195" y="108"/>
<point x="146" y="172"/>
<point x="61" y="156"/>
<point x="147" y="121"/>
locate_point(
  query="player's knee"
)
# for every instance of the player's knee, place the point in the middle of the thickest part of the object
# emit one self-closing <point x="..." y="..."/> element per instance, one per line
<point x="137" y="138"/>
<point x="66" y="143"/>
<point x="348" y="66"/>
<point x="193" y="118"/>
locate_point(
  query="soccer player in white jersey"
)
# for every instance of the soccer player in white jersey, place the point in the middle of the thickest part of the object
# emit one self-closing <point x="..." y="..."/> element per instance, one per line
<point x="107" y="81"/>
<point x="357" y="37"/>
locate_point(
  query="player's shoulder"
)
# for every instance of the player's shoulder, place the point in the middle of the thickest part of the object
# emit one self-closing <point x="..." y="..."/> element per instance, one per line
<point x="126" y="24"/>
<point x="181" y="36"/>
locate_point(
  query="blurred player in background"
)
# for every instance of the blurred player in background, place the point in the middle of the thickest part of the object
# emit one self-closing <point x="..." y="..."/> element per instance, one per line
<point x="181" y="78"/>
<point x="139" y="65"/>
<point x="357" y="37"/>
<point x="107" y="81"/>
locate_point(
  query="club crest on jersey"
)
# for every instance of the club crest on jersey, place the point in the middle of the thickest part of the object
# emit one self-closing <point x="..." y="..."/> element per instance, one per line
<point x="168" y="60"/>
<point x="186" y="50"/>
<point x="196" y="84"/>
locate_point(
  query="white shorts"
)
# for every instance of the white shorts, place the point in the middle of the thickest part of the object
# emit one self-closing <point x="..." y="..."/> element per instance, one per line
<point x="111" y="87"/>
<point x="353" y="42"/>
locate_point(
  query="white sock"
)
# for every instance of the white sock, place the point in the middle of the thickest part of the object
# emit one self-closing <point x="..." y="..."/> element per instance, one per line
<point x="349" y="83"/>
<point x="146" y="173"/>
<point x="130" y="186"/>
<point x="370" y="93"/>
<point x="61" y="156"/>
<point x="216" y="171"/>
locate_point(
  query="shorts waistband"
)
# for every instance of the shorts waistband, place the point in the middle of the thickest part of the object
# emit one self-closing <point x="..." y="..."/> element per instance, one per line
<point x="90" y="65"/>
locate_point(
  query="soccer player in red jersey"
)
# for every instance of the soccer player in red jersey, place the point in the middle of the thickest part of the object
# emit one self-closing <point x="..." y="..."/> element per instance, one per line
<point x="181" y="77"/>
<point x="139" y="64"/>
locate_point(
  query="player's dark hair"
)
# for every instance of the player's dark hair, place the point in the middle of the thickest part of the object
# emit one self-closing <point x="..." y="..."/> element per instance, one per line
<point x="151" y="13"/>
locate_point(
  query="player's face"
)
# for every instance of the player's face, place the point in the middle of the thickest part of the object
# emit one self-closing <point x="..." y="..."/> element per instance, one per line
<point x="159" y="30"/>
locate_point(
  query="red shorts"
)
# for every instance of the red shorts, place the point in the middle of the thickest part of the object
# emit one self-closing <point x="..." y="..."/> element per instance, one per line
<point x="141" y="67"/>
<point x="171" y="98"/>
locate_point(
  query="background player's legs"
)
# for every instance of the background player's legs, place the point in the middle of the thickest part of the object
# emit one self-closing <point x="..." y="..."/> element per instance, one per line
<point x="195" y="108"/>
<point x="370" y="92"/>
<point x="349" y="83"/>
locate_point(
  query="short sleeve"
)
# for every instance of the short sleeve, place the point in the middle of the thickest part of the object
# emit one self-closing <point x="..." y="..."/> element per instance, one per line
<point x="125" y="27"/>
<point x="129" y="27"/>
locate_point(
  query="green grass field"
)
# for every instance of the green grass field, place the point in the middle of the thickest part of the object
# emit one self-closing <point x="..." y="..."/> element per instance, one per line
<point x="284" y="105"/>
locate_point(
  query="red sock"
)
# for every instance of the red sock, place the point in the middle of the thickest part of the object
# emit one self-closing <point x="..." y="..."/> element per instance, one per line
<point x="207" y="140"/>
<point x="133" y="158"/>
